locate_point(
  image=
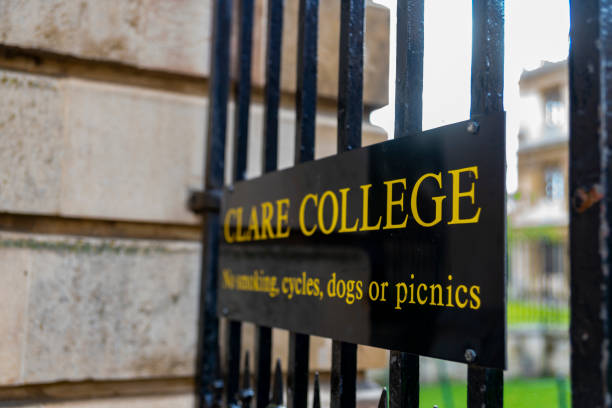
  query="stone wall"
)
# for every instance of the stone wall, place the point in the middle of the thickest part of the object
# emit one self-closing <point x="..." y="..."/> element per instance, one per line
<point x="103" y="109"/>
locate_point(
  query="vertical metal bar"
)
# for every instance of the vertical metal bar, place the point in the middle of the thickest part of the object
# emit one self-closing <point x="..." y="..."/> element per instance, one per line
<point x="306" y="108"/>
<point x="403" y="380"/>
<point x="382" y="402"/>
<point x="242" y="90"/>
<point x="409" y="68"/>
<point x="263" y="339"/>
<point x="272" y="91"/>
<point x="343" y="375"/>
<point x="232" y="378"/>
<point x="242" y="97"/>
<point x="241" y="120"/>
<point x="404" y="367"/>
<point x="485" y="385"/>
<point x="297" y="379"/>
<point x="350" y="115"/>
<point x="277" y="388"/>
<point x="590" y="89"/>
<point x="350" y="77"/>
<point x="208" y="333"/>
<point x="487" y="57"/>
<point x="306" y="89"/>
<point x="316" y="398"/>
<point x="246" y="393"/>
<point x="263" y="360"/>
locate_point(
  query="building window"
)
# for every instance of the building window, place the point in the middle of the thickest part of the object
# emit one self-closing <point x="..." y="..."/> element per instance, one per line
<point x="554" y="184"/>
<point x="554" y="110"/>
<point x="553" y="257"/>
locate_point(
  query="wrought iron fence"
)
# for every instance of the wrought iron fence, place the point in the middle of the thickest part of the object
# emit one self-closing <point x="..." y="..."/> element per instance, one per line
<point x="484" y="385"/>
<point x="538" y="282"/>
<point x="589" y="89"/>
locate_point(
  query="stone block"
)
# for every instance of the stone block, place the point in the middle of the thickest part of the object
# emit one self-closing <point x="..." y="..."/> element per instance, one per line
<point x="80" y="309"/>
<point x="31" y="143"/>
<point x="142" y="148"/>
<point x="98" y="308"/>
<point x="325" y="138"/>
<point x="84" y="149"/>
<point x="152" y="34"/>
<point x="320" y="351"/>
<point x="13" y="314"/>
<point x="156" y="401"/>
<point x="175" y="36"/>
<point x="376" y="51"/>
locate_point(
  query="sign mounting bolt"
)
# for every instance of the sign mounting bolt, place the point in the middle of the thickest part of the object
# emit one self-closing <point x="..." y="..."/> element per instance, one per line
<point x="473" y="127"/>
<point x="470" y="355"/>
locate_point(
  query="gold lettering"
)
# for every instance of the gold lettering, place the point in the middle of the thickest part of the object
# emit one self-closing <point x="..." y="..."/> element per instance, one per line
<point x="391" y="202"/>
<point x="421" y="301"/>
<point x="343" y="199"/>
<point x="282" y="217"/>
<point x="227" y="225"/>
<point x="400" y="298"/>
<point x="459" y="303"/>
<point x="334" y="219"/>
<point x="228" y="279"/>
<point x="475" y="302"/>
<point x="254" y="224"/>
<point x="305" y="231"/>
<point x="267" y="211"/>
<point x="433" y="295"/>
<point x="240" y="237"/>
<point x="365" y="226"/>
<point x="458" y="194"/>
<point x="438" y="200"/>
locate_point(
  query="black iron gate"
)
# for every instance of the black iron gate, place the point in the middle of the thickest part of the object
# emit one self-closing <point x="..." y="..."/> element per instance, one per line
<point x="590" y="143"/>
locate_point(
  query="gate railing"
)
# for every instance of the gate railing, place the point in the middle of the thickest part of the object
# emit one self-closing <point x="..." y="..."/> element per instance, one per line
<point x="485" y="385"/>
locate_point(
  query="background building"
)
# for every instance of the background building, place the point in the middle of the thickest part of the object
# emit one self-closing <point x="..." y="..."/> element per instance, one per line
<point x="103" y="109"/>
<point x="538" y="283"/>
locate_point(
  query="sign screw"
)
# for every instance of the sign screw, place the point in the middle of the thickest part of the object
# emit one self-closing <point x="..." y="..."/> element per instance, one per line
<point x="226" y="312"/>
<point x="470" y="355"/>
<point x="473" y="127"/>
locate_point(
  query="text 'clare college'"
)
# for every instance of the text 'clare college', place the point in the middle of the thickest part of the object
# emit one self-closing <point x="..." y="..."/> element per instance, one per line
<point x="327" y="212"/>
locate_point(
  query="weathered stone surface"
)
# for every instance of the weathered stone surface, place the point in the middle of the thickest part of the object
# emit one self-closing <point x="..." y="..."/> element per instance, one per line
<point x="320" y="351"/>
<point x="84" y="149"/>
<point x="31" y="143"/>
<point x="13" y="314"/>
<point x="142" y="148"/>
<point x="98" y="308"/>
<point x="89" y="308"/>
<point x="376" y="51"/>
<point x="153" y="34"/>
<point x="175" y="36"/>
<point x="159" y="401"/>
<point x="325" y="143"/>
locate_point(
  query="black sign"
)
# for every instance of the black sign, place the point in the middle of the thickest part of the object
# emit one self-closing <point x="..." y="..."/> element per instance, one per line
<point x="399" y="245"/>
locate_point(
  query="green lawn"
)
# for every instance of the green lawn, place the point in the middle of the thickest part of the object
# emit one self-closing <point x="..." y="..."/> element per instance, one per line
<point x="541" y="392"/>
<point x="525" y="312"/>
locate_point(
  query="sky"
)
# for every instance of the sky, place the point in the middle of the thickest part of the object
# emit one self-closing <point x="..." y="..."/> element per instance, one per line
<point x="535" y="31"/>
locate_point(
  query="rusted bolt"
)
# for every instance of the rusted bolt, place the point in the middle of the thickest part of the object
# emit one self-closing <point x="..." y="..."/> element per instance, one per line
<point x="470" y="355"/>
<point x="582" y="199"/>
<point x="473" y="127"/>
